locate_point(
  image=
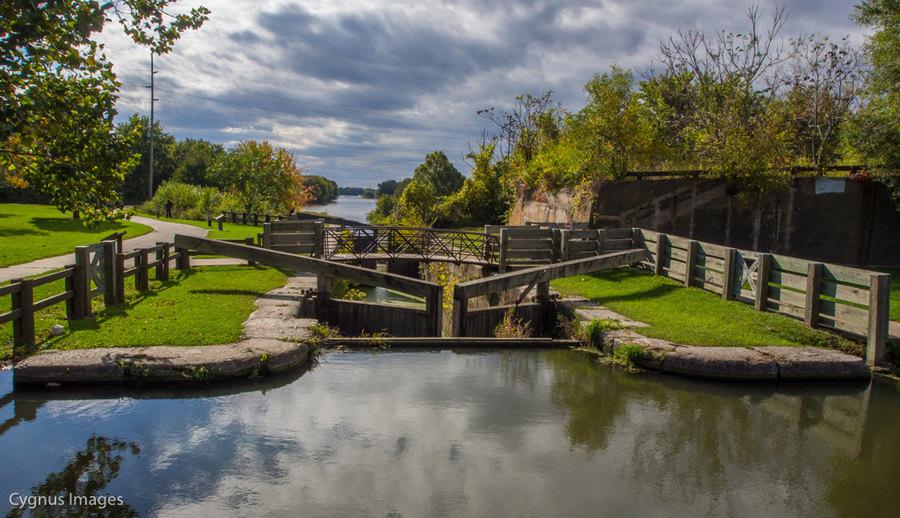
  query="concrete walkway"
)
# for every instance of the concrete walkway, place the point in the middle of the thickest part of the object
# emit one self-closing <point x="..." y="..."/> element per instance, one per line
<point x="163" y="231"/>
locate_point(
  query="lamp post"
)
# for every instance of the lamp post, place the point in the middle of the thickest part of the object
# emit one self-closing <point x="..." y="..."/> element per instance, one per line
<point x="153" y="99"/>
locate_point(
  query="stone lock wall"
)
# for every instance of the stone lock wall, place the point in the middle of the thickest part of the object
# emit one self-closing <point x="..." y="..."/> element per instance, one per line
<point x="834" y="220"/>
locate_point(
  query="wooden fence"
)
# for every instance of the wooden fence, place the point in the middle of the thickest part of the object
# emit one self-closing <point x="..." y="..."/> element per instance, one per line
<point x="91" y="276"/>
<point x="251" y="217"/>
<point x="841" y="298"/>
<point x="481" y="322"/>
<point x="398" y="321"/>
<point x="296" y="237"/>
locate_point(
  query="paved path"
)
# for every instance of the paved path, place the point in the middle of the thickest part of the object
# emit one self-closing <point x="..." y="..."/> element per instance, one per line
<point x="162" y="231"/>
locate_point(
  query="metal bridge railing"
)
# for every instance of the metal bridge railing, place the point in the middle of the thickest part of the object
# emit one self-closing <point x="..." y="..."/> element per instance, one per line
<point x="403" y="242"/>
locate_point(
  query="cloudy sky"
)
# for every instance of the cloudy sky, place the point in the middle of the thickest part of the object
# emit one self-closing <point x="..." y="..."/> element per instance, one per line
<point x="362" y="90"/>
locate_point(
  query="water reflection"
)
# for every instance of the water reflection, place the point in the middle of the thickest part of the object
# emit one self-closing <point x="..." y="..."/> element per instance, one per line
<point x="78" y="489"/>
<point x="479" y="434"/>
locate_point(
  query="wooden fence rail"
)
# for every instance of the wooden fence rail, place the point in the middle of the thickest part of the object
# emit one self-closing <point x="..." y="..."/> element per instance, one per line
<point x="91" y="276"/>
<point x="397" y="321"/>
<point x="251" y="217"/>
<point x="841" y="298"/>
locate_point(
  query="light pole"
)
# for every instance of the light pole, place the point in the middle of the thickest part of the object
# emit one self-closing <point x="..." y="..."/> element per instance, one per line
<point x="153" y="99"/>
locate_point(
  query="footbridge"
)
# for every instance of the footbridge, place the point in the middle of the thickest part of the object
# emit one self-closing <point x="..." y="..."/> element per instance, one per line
<point x="501" y="247"/>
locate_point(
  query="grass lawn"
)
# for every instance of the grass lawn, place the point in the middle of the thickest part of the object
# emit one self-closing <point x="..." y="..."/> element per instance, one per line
<point x="204" y="306"/>
<point x="895" y="292"/>
<point x="33" y="232"/>
<point x="692" y="316"/>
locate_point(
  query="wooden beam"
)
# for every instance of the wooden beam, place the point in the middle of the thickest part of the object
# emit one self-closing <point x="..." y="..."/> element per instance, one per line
<point x="546" y="273"/>
<point x="306" y="264"/>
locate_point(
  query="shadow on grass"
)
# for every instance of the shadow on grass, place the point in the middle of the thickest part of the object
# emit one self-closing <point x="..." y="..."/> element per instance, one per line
<point x="622" y="275"/>
<point x="62" y="224"/>
<point x="249" y="293"/>
<point x="13" y="232"/>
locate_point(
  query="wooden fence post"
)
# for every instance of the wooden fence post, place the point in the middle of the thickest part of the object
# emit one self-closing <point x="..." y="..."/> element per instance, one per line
<point x="762" y="281"/>
<point x="728" y="274"/>
<point x="255" y="220"/>
<point x="23" y="327"/>
<point x="637" y="238"/>
<point x="460" y="310"/>
<point x="319" y="239"/>
<point x="813" y="290"/>
<point x="434" y="307"/>
<point x="109" y="271"/>
<point x="243" y="218"/>
<point x="879" y="322"/>
<point x="504" y="242"/>
<point x="82" y="283"/>
<point x="142" y="281"/>
<point x="564" y="237"/>
<point x="120" y="277"/>
<point x="601" y="238"/>
<point x="555" y="245"/>
<point x="162" y="256"/>
<point x="70" y="286"/>
<point x="660" y="253"/>
<point x="690" y="263"/>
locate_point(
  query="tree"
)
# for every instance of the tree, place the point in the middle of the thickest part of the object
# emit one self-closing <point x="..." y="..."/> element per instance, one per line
<point x="875" y="132"/>
<point x="58" y="94"/>
<point x="262" y="178"/>
<point x="386" y="188"/>
<point x="614" y="129"/>
<point x="722" y="85"/>
<point x="532" y="121"/>
<point x="483" y="198"/>
<point x="824" y="82"/>
<point x="439" y="174"/>
<point x="133" y="188"/>
<point x="193" y="158"/>
<point x="321" y="190"/>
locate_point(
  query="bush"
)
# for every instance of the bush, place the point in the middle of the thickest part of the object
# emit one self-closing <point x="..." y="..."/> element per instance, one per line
<point x="190" y="201"/>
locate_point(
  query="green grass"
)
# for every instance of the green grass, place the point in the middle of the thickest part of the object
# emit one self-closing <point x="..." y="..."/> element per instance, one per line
<point x="204" y="306"/>
<point x="692" y="316"/>
<point x="40" y="231"/>
<point x="895" y="291"/>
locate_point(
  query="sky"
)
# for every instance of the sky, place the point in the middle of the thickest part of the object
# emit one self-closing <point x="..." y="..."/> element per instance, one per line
<point x="362" y="90"/>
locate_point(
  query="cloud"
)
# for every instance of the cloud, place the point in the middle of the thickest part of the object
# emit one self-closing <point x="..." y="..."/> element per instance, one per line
<point x="364" y="90"/>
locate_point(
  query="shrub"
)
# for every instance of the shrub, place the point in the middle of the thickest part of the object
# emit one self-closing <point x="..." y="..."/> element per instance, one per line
<point x="190" y="201"/>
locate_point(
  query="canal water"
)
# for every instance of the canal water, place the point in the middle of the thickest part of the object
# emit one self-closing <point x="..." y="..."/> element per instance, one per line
<point x="443" y="433"/>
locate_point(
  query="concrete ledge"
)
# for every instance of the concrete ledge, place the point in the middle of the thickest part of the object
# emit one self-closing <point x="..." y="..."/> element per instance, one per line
<point x="137" y="365"/>
<point x="813" y="363"/>
<point x="766" y="363"/>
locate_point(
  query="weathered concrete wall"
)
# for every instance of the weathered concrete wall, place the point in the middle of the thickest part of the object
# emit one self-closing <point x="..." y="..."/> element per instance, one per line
<point x="560" y="207"/>
<point x="832" y="220"/>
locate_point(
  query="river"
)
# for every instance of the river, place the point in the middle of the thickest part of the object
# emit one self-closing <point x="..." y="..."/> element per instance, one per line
<point x="353" y="208"/>
<point x="461" y="433"/>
